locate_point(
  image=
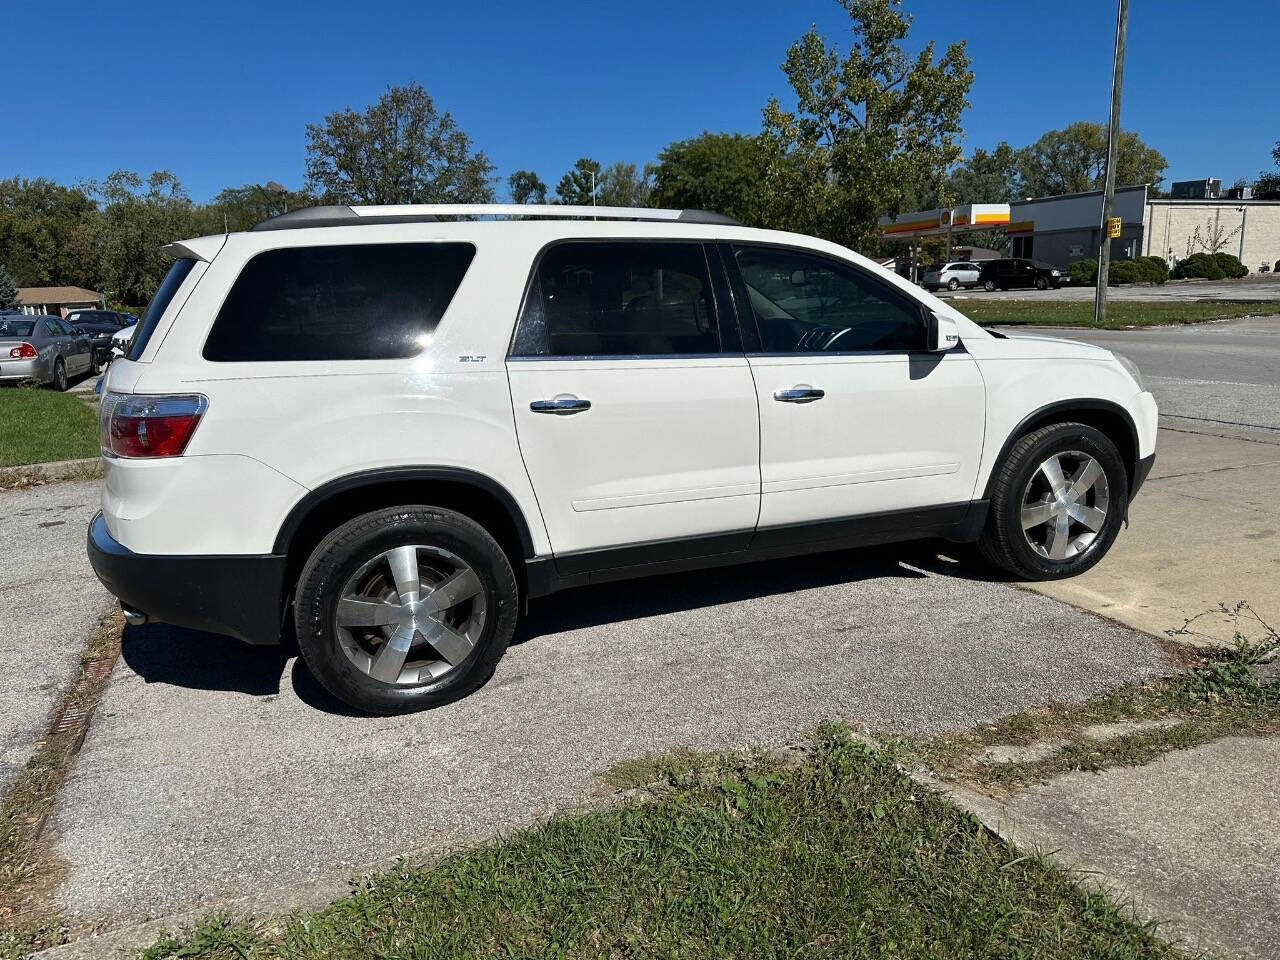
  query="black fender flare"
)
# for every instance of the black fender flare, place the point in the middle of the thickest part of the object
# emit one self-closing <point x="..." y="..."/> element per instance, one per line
<point x="1056" y="411"/>
<point x="365" y="478"/>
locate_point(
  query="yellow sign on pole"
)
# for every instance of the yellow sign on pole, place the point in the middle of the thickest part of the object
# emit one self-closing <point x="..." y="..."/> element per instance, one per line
<point x="1113" y="227"/>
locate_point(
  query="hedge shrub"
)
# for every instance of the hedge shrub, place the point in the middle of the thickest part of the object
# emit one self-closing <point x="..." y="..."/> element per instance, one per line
<point x="1085" y="272"/>
<point x="1153" y="269"/>
<point x="1123" y="271"/>
<point x="1230" y="265"/>
<point x="1199" y="265"/>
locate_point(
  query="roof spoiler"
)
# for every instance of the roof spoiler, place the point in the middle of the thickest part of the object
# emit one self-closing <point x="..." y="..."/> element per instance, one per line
<point x="197" y="248"/>
<point x="347" y="216"/>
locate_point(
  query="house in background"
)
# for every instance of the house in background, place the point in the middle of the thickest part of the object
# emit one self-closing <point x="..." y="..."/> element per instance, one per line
<point x="57" y="301"/>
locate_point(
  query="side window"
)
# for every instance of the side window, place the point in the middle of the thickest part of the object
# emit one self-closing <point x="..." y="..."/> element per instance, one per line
<point x="804" y="303"/>
<point x="618" y="298"/>
<point x="358" y="302"/>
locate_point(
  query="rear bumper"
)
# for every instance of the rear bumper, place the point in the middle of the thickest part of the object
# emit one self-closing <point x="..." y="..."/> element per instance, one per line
<point x="23" y="371"/>
<point x="239" y="596"/>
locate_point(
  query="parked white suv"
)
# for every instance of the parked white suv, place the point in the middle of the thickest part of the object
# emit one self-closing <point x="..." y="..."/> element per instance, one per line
<point x="952" y="276"/>
<point x="391" y="427"/>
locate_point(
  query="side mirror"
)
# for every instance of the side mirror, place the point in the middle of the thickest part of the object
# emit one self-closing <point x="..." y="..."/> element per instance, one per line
<point x="943" y="333"/>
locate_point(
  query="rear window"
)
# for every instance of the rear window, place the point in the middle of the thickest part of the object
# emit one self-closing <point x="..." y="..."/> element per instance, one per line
<point x="358" y="302"/>
<point x="16" y="328"/>
<point x="159" y="303"/>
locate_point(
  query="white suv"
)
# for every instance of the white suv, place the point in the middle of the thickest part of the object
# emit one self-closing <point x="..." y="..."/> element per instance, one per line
<point x="392" y="426"/>
<point x="953" y="276"/>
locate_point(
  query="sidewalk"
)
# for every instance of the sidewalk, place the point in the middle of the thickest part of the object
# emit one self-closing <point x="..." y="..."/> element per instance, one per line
<point x="1191" y="839"/>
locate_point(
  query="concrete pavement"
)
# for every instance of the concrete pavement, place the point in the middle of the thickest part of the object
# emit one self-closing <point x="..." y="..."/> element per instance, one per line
<point x="51" y="602"/>
<point x="1190" y="840"/>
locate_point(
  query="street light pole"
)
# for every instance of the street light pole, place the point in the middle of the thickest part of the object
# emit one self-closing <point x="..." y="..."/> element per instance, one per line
<point x="1109" y="186"/>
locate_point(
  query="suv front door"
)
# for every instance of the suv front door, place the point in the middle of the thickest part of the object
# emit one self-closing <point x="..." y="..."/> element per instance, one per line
<point x="855" y="418"/>
<point x="634" y="404"/>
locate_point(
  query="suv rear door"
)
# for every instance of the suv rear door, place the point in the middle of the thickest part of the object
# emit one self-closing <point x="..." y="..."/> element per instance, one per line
<point x="634" y="404"/>
<point x="855" y="418"/>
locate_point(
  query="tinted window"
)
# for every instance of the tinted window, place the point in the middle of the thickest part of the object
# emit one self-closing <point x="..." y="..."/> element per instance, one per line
<point x="16" y="328"/>
<point x="159" y="303"/>
<point x="367" y="302"/>
<point x="809" y="304"/>
<point x="592" y="298"/>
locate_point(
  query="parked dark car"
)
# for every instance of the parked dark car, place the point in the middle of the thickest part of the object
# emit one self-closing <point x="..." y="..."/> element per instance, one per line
<point x="1014" y="272"/>
<point x="99" y="326"/>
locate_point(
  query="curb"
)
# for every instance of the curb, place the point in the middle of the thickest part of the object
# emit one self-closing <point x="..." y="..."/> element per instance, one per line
<point x="35" y="474"/>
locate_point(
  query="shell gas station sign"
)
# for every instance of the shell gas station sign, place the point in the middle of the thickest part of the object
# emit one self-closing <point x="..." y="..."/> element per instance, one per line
<point x="926" y="223"/>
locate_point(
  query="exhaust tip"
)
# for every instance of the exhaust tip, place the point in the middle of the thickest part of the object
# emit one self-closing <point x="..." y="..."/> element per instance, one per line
<point x="134" y="618"/>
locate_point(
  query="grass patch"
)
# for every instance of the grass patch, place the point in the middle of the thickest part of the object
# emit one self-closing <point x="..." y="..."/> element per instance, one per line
<point x="1227" y="692"/>
<point x="1121" y="314"/>
<point x="831" y="851"/>
<point x="29" y="871"/>
<point x="37" y="426"/>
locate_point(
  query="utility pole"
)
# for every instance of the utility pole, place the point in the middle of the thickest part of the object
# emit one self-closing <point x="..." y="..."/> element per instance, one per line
<point x="1109" y="187"/>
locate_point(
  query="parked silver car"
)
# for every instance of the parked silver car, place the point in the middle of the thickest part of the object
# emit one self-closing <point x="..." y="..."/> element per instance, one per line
<point x="36" y="349"/>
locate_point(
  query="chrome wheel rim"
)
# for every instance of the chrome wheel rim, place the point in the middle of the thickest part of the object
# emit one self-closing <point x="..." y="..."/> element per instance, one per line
<point x="411" y="615"/>
<point x="1064" y="506"/>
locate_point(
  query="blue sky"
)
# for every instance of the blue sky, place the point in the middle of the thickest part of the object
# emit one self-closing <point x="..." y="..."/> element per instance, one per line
<point x="218" y="92"/>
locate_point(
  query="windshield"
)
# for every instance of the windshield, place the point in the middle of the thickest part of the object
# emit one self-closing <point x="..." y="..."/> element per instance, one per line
<point x="159" y="303"/>
<point x="16" y="328"/>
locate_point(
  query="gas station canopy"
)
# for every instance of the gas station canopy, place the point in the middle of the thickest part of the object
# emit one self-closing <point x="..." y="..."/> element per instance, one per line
<point x="927" y="223"/>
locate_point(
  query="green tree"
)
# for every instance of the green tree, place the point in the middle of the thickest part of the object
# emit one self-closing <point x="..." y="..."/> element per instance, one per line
<point x="575" y="186"/>
<point x="1074" y="159"/>
<point x="400" y="150"/>
<point x="868" y="128"/>
<point x="239" y="208"/>
<point x="1267" y="186"/>
<point x="624" y="185"/>
<point x="138" y="218"/>
<point x="47" y="233"/>
<point x="525" y="186"/>
<point x="8" y="290"/>
<point x="723" y="172"/>
<point x="986" y="177"/>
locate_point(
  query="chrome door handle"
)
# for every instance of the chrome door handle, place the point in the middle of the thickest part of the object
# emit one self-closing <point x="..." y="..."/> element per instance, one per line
<point x="563" y="406"/>
<point x="799" y="395"/>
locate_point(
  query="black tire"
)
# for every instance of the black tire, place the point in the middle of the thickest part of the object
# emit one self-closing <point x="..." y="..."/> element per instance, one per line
<point x="337" y="558"/>
<point x="1042" y="283"/>
<point x="953" y="284"/>
<point x="95" y="367"/>
<point x="1003" y="542"/>
<point x="60" y="381"/>
<point x="989" y="286"/>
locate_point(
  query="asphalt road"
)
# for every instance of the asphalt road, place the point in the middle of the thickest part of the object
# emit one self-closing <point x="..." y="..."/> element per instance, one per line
<point x="1225" y="374"/>
<point x="50" y="601"/>
<point x="1263" y="286"/>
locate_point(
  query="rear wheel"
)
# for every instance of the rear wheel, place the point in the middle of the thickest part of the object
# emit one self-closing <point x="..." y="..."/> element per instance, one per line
<point x="1057" y="503"/>
<point x="405" y="608"/>
<point x="60" y="381"/>
<point x="989" y="286"/>
<point x="953" y="284"/>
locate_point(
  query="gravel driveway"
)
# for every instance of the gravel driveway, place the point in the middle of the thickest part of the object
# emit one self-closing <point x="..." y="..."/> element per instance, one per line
<point x="50" y="601"/>
<point x="215" y="769"/>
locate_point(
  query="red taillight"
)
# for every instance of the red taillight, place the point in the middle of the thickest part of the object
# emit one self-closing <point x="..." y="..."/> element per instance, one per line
<point x="24" y="352"/>
<point x="149" y="426"/>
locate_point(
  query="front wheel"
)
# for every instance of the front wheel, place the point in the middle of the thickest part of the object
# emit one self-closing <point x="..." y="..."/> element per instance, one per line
<point x="1057" y="503"/>
<point x="405" y="608"/>
<point x="1042" y="283"/>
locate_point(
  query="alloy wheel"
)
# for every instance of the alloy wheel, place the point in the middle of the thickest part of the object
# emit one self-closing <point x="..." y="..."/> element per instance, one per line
<point x="413" y="614"/>
<point x="1064" y="505"/>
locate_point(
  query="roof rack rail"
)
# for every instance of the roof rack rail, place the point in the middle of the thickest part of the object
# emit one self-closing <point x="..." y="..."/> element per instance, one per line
<point x="348" y="216"/>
